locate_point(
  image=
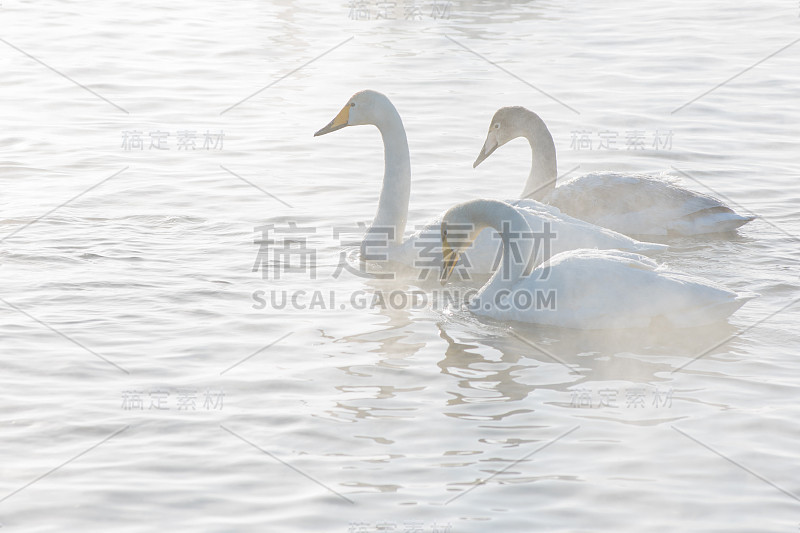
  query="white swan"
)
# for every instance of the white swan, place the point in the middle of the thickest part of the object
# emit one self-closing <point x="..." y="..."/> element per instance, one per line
<point x="586" y="289"/>
<point x="422" y="250"/>
<point x="631" y="204"/>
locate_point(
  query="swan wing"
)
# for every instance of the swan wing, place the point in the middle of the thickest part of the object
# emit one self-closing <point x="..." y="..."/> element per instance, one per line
<point x="572" y="233"/>
<point x="610" y="289"/>
<point x="555" y="231"/>
<point x="637" y="204"/>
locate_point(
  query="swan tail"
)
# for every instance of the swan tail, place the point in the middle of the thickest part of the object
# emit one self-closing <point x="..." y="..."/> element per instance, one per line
<point x="644" y="247"/>
<point x="718" y="219"/>
<point x="709" y="314"/>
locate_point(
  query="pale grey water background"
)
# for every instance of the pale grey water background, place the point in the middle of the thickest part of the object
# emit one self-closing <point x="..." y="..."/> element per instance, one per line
<point x="396" y="411"/>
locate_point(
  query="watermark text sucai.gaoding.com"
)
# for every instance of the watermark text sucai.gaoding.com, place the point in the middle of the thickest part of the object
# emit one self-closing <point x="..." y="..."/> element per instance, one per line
<point x="397" y="299"/>
<point x="286" y="251"/>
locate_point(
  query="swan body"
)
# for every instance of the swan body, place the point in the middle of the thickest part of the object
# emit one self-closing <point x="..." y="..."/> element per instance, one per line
<point x="568" y="233"/>
<point x="633" y="204"/>
<point x="384" y="239"/>
<point x="585" y="289"/>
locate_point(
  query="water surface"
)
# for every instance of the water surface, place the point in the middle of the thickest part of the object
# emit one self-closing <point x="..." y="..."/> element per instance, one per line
<point x="125" y="310"/>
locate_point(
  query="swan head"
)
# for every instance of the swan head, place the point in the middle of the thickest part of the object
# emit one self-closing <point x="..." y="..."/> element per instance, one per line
<point x="460" y="226"/>
<point x="362" y="108"/>
<point x="507" y="124"/>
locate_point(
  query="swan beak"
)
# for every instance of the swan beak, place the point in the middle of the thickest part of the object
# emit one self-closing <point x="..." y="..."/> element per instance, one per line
<point x="449" y="260"/>
<point x="489" y="147"/>
<point x="338" y="122"/>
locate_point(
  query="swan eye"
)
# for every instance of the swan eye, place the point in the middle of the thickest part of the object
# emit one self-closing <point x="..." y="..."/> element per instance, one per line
<point x="352" y="104"/>
<point x="497" y="126"/>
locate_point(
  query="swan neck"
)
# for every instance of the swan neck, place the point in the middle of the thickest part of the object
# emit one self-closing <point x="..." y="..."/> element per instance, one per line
<point x="517" y="247"/>
<point x="542" y="176"/>
<point x="393" y="204"/>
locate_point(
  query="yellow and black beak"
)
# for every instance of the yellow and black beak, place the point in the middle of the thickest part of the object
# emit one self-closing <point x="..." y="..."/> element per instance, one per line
<point x="338" y="122"/>
<point x="449" y="260"/>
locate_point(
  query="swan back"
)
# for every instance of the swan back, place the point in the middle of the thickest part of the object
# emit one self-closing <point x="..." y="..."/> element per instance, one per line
<point x="637" y="204"/>
<point x="610" y="289"/>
